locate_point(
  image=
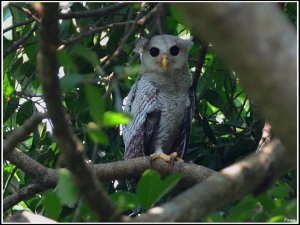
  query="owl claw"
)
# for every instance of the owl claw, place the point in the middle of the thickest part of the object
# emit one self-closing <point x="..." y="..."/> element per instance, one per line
<point x="167" y="158"/>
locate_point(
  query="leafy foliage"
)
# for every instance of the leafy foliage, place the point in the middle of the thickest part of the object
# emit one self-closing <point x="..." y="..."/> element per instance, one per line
<point x="276" y="205"/>
<point x="97" y="71"/>
<point x="147" y="194"/>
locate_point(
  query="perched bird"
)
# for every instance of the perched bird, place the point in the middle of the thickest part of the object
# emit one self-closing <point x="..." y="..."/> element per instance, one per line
<point x="161" y="101"/>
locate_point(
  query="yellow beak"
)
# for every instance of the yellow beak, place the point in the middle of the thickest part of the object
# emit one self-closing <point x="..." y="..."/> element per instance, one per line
<point x="164" y="63"/>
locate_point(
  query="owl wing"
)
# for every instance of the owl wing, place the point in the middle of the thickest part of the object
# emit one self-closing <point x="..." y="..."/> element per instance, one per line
<point x="181" y="143"/>
<point x="140" y="133"/>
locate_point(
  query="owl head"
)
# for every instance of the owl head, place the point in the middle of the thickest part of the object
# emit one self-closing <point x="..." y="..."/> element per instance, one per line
<point x="163" y="53"/>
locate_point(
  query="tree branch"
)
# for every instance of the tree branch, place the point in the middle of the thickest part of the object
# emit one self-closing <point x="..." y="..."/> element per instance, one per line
<point x="252" y="174"/>
<point x="46" y="177"/>
<point x="23" y="194"/>
<point x="26" y="11"/>
<point x="192" y="173"/>
<point x="29" y="217"/>
<point x="72" y="150"/>
<point x="39" y="172"/>
<point x="94" y="30"/>
<point x="256" y="32"/>
<point x="97" y="12"/>
<point x="139" y="22"/>
<point x="19" y="42"/>
<point x="17" y="25"/>
<point x="20" y="133"/>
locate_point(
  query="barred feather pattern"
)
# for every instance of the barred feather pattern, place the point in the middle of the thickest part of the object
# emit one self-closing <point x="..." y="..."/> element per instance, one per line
<point x="162" y="110"/>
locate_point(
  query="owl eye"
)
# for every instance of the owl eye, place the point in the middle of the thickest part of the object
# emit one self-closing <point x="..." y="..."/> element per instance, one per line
<point x="154" y="51"/>
<point x="174" y="50"/>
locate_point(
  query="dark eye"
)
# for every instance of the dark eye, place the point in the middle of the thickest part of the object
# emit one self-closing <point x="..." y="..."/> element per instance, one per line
<point x="174" y="50"/>
<point x="154" y="51"/>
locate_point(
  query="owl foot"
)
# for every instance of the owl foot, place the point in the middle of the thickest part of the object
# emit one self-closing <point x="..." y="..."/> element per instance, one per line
<point x="167" y="158"/>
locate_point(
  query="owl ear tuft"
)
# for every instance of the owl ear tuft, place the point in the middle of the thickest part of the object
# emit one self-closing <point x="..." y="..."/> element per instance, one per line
<point x="141" y="43"/>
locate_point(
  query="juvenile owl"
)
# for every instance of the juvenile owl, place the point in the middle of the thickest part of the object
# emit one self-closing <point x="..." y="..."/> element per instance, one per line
<point x="161" y="101"/>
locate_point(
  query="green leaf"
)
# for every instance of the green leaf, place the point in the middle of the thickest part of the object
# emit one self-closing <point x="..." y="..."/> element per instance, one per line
<point x="125" y="200"/>
<point x="236" y="123"/>
<point x="87" y="54"/>
<point x="214" y="217"/>
<point x="66" y="189"/>
<point x="18" y="16"/>
<point x="113" y="118"/>
<point x="208" y="131"/>
<point x="150" y="188"/>
<point x="279" y="218"/>
<point x="243" y="210"/>
<point x="202" y="87"/>
<point x="25" y="111"/>
<point x="8" y="89"/>
<point x="8" y="59"/>
<point x="281" y="190"/>
<point x="67" y="61"/>
<point x="95" y="102"/>
<point x="266" y="202"/>
<point x="215" y="99"/>
<point x="96" y="134"/>
<point x="52" y="205"/>
<point x="31" y="51"/>
<point x="10" y="108"/>
<point x="69" y="81"/>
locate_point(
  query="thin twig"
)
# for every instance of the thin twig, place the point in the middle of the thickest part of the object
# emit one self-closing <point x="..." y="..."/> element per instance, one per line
<point x="97" y="12"/>
<point x="26" y="11"/>
<point x="19" y="42"/>
<point x="94" y="30"/>
<point x="20" y="133"/>
<point x="17" y="25"/>
<point x="139" y="21"/>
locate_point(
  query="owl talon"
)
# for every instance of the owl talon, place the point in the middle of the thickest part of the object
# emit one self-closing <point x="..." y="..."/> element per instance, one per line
<point x="167" y="158"/>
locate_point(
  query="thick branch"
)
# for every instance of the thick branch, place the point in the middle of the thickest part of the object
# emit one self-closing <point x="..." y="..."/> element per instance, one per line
<point x="192" y="173"/>
<point x="47" y="177"/>
<point x="39" y="172"/>
<point x="259" y="44"/>
<point x="29" y="217"/>
<point x="20" y="133"/>
<point x="97" y="12"/>
<point x="71" y="149"/>
<point x="232" y="183"/>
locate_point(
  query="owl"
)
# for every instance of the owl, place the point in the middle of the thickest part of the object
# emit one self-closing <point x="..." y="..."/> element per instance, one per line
<point x="161" y="101"/>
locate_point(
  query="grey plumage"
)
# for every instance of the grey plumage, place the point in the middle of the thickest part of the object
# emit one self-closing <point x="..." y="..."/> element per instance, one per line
<point x="161" y="100"/>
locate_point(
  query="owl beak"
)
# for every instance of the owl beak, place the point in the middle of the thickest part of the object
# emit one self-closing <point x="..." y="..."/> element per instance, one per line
<point x="164" y="62"/>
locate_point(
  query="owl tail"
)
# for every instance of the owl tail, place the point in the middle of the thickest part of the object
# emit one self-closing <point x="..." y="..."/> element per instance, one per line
<point x="131" y="185"/>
